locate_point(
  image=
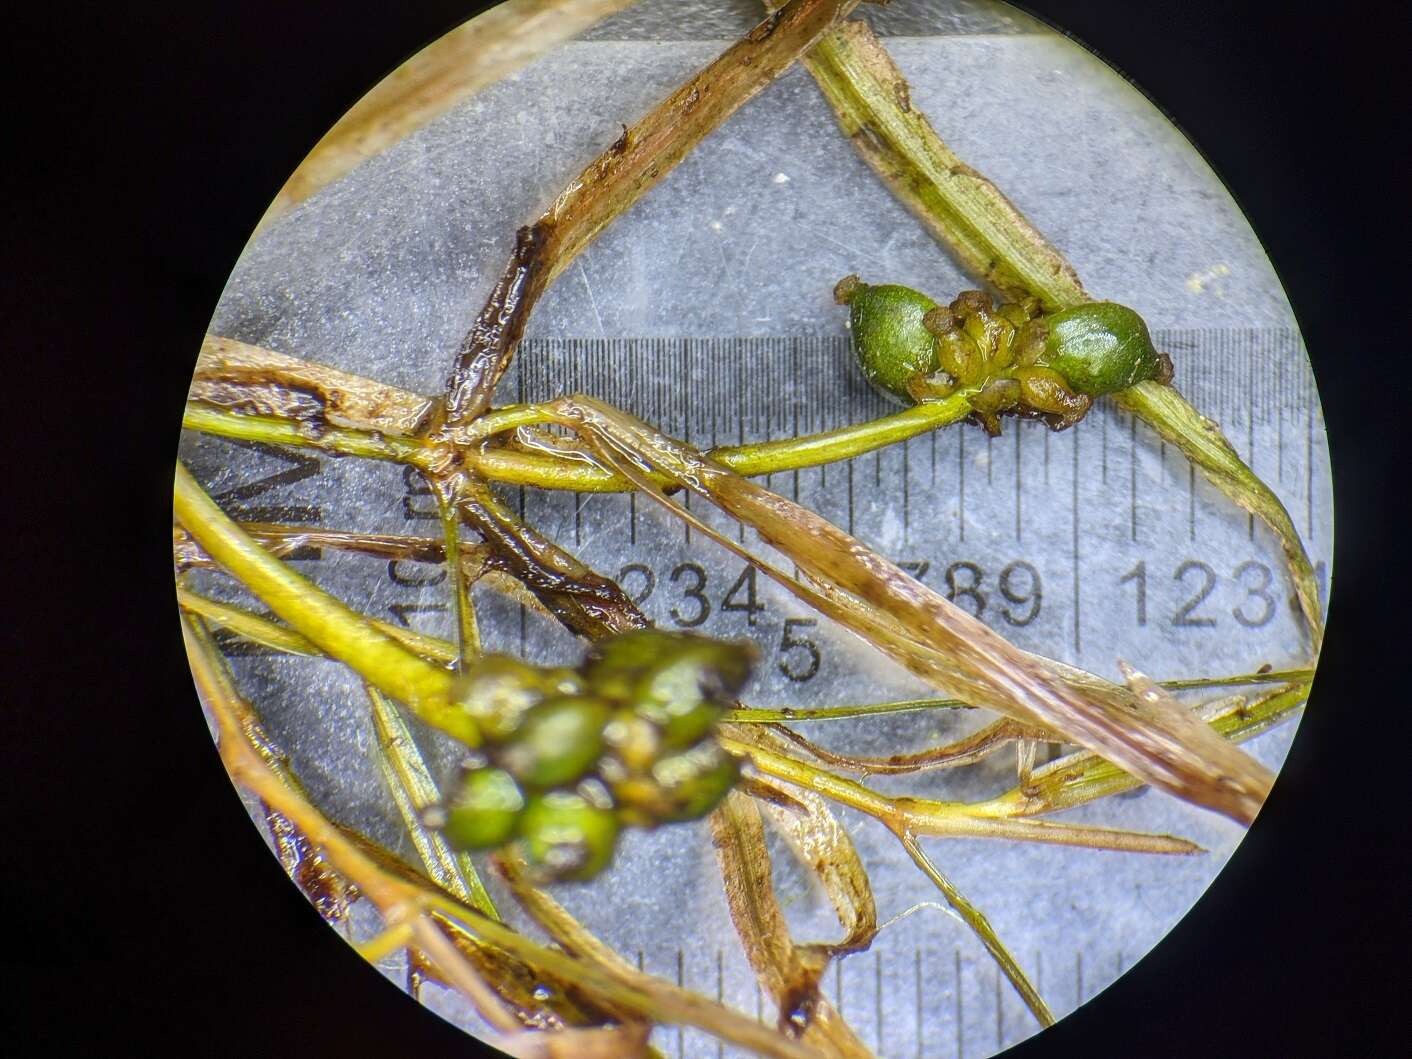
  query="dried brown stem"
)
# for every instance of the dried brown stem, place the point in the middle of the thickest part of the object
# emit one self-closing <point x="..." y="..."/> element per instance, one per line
<point x="587" y="603"/>
<point x="788" y="972"/>
<point x="644" y="154"/>
<point x="965" y="751"/>
<point x="257" y="381"/>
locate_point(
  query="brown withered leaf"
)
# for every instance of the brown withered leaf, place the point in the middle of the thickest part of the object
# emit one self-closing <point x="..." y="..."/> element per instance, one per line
<point x="823" y="845"/>
<point x="254" y="380"/>
<point x="789" y="973"/>
<point x="930" y="635"/>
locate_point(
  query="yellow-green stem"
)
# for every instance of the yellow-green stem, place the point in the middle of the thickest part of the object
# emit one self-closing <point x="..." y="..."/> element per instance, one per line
<point x="548" y="471"/>
<point x="273" y="430"/>
<point x="413" y="789"/>
<point x="980" y="926"/>
<point x="332" y="625"/>
<point x="949" y="819"/>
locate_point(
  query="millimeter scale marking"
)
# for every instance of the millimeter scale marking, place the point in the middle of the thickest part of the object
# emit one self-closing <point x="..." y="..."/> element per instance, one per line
<point x="926" y="1002"/>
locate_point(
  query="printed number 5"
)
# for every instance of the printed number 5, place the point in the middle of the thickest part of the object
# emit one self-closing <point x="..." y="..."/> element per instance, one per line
<point x="790" y="642"/>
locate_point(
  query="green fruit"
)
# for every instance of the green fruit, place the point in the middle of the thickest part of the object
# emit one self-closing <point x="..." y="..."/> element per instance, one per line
<point x="693" y="783"/>
<point x="633" y="740"/>
<point x="567" y="837"/>
<point x="686" y="694"/>
<point x="678" y="681"/>
<point x="889" y="339"/>
<point x="483" y="813"/>
<point x="498" y="691"/>
<point x="557" y="742"/>
<point x="1100" y="348"/>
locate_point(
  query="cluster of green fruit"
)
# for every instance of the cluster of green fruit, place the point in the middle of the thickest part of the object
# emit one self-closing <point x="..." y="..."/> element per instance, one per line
<point x="1012" y="359"/>
<point x="571" y="756"/>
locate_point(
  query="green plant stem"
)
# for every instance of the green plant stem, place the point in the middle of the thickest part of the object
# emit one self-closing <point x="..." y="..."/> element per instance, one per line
<point x="413" y="789"/>
<point x="274" y="430"/>
<point x="795" y="714"/>
<point x="279" y="637"/>
<point x="547" y="471"/>
<point x="467" y="630"/>
<point x="337" y="629"/>
<point x="980" y="926"/>
<point x="946" y="819"/>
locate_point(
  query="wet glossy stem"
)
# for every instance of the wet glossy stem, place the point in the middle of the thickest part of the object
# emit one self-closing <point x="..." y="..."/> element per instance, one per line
<point x="337" y="629"/>
<point x="548" y="471"/>
<point x="276" y="430"/>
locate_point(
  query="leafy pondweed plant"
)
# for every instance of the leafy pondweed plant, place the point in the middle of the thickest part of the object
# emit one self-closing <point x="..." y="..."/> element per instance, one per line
<point x="644" y="728"/>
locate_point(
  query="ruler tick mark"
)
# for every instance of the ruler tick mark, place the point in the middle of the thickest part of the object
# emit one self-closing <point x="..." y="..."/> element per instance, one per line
<point x="961" y="473"/>
<point x="1132" y="464"/>
<point x="1077" y="647"/>
<point x="720" y="996"/>
<point x="917" y="989"/>
<point x="1309" y="472"/>
<point x="1191" y="501"/>
<point x="999" y="1013"/>
<point x="878" y="996"/>
<point x="850" y="498"/>
<point x="1018" y="461"/>
<point x="959" y="1027"/>
<point x="906" y="491"/>
<point x="1103" y="418"/>
<point x="681" y="1030"/>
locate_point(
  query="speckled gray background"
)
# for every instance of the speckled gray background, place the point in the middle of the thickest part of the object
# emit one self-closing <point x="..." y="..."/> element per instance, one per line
<point x="382" y="272"/>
